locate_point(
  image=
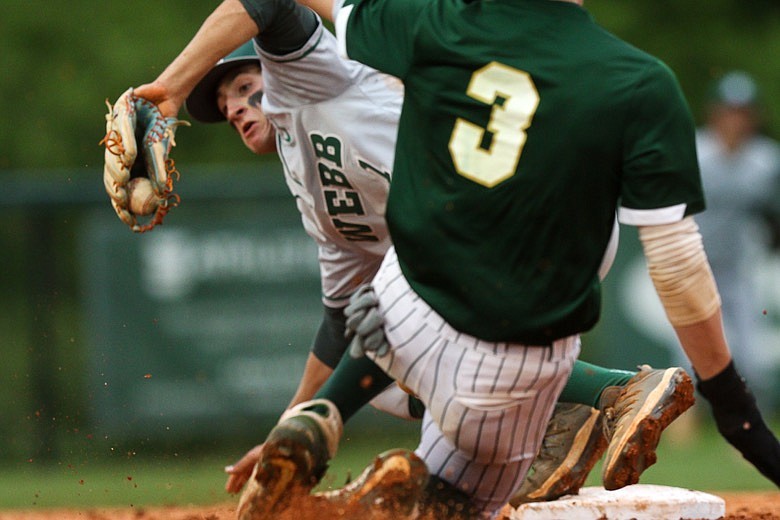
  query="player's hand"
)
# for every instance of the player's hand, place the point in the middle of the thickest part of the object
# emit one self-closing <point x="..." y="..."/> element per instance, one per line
<point x="161" y="96"/>
<point x="240" y="472"/>
<point x="365" y="324"/>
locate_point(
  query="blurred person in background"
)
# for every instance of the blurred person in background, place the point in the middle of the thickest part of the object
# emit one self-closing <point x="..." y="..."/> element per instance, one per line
<point x="740" y="169"/>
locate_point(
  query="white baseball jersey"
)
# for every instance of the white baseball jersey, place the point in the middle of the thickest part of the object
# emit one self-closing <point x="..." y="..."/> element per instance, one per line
<point x="336" y="124"/>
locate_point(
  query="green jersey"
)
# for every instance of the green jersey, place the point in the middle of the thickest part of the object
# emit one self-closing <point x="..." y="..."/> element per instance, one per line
<point x="525" y="128"/>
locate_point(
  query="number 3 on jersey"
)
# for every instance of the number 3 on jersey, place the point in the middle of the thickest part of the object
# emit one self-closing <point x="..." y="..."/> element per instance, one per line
<point x="489" y="155"/>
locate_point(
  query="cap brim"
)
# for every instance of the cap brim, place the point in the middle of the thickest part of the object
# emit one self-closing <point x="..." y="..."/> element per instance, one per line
<point x="202" y="102"/>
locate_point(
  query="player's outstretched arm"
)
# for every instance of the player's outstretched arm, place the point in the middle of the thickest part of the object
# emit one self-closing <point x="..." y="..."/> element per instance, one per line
<point x="227" y="28"/>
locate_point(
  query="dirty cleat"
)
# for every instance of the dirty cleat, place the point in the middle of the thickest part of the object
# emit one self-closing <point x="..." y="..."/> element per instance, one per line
<point x="573" y="443"/>
<point x="390" y="487"/>
<point x="634" y="417"/>
<point x="293" y="460"/>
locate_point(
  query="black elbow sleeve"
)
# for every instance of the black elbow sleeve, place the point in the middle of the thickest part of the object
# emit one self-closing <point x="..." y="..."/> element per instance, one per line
<point x="329" y="343"/>
<point x="284" y="25"/>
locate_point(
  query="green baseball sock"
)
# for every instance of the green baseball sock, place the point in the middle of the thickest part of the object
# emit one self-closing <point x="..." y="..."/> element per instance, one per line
<point x="352" y="385"/>
<point x="587" y="381"/>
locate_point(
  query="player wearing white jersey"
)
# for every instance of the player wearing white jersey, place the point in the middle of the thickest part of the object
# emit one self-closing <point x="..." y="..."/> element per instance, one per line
<point x="335" y="140"/>
<point x="334" y="123"/>
<point x="333" y="127"/>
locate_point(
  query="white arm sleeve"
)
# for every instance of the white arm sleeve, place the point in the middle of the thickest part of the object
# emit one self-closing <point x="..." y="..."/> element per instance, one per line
<point x="680" y="271"/>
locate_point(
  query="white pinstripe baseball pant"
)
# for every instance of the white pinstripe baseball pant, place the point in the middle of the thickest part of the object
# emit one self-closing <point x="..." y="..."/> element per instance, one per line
<point x="488" y="404"/>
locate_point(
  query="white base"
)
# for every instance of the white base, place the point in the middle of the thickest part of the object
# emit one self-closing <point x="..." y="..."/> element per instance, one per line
<point x="637" y="502"/>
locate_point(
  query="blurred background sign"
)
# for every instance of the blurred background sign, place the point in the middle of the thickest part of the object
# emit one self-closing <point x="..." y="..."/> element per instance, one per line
<point x="203" y="321"/>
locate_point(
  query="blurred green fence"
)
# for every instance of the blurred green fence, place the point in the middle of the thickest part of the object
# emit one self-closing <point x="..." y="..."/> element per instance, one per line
<point x="198" y="330"/>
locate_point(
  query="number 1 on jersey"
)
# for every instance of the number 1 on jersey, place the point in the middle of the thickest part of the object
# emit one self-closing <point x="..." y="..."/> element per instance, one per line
<point x="514" y="99"/>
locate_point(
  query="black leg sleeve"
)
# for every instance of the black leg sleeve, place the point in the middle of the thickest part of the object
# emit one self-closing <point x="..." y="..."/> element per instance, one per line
<point x="739" y="421"/>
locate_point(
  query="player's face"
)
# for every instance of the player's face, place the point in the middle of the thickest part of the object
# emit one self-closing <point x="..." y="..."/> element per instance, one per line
<point x="734" y="125"/>
<point x="238" y="98"/>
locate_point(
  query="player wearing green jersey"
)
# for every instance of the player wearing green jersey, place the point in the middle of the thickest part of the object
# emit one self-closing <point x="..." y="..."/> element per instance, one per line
<point x="490" y="397"/>
<point x="516" y="147"/>
<point x="524" y="128"/>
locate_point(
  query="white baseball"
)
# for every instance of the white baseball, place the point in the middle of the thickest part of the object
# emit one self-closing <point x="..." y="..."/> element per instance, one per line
<point x="142" y="199"/>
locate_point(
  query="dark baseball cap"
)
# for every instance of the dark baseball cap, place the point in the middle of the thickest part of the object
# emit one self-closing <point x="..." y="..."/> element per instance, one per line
<point x="202" y="102"/>
<point x="736" y="89"/>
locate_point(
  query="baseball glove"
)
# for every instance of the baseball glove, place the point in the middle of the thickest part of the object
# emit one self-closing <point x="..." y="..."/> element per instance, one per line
<point x="132" y="120"/>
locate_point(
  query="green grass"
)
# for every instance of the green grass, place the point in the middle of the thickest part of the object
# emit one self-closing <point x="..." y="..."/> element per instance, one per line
<point x="701" y="460"/>
<point x="124" y="483"/>
<point x="108" y="477"/>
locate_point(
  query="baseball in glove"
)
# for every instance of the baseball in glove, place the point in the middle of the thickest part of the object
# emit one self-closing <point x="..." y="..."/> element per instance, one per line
<point x="130" y="121"/>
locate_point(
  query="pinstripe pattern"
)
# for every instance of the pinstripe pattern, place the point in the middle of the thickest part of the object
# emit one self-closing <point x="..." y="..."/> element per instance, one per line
<point x="488" y="404"/>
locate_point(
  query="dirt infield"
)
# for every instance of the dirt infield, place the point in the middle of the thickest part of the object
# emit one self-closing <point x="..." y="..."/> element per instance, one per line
<point x="739" y="506"/>
<point x="748" y="506"/>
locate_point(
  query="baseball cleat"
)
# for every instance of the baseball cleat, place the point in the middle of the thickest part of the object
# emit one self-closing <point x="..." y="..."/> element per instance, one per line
<point x="390" y="487"/>
<point x="573" y="443"/>
<point x="634" y="417"/>
<point x="293" y="460"/>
